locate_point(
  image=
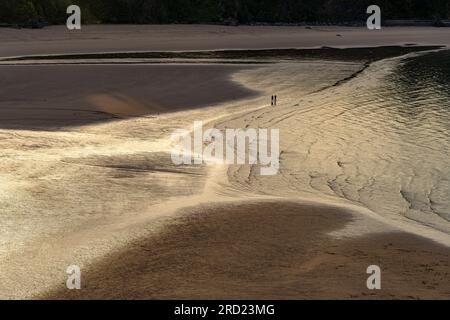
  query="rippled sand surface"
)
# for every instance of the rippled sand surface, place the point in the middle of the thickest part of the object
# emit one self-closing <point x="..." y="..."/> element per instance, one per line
<point x="373" y="139"/>
<point x="380" y="139"/>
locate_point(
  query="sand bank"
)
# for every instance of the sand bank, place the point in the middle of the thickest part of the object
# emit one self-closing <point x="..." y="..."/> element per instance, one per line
<point x="113" y="38"/>
<point x="268" y="250"/>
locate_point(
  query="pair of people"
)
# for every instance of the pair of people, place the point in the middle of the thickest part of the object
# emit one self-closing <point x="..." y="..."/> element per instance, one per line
<point x="274" y="101"/>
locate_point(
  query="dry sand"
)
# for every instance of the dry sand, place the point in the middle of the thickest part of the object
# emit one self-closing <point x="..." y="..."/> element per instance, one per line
<point x="266" y="250"/>
<point x="100" y="38"/>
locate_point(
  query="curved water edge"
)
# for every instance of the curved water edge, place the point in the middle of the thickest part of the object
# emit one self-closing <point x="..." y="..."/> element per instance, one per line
<point x="379" y="140"/>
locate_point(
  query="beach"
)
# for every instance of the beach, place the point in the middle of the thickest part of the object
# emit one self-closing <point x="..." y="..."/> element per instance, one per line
<point x="266" y="250"/>
<point x="86" y="176"/>
<point x="119" y="38"/>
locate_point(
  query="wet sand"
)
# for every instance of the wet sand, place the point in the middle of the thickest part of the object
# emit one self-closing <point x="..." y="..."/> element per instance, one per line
<point x="267" y="250"/>
<point x="49" y="97"/>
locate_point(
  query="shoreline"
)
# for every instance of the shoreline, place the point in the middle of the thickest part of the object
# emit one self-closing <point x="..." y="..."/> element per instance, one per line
<point x="115" y="99"/>
<point x="367" y="54"/>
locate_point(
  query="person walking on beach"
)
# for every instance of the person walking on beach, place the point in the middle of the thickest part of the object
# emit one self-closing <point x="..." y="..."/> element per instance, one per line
<point x="274" y="101"/>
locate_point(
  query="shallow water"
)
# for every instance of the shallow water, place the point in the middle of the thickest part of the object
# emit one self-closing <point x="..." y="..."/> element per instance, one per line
<point x="400" y="159"/>
<point x="415" y="102"/>
<point x="380" y="139"/>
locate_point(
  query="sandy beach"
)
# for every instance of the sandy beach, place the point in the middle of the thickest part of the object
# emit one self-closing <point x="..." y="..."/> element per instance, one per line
<point x="266" y="250"/>
<point x="119" y="38"/>
<point x="86" y="176"/>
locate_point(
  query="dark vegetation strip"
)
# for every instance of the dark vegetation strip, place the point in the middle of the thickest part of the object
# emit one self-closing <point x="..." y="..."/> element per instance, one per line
<point x="36" y="13"/>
